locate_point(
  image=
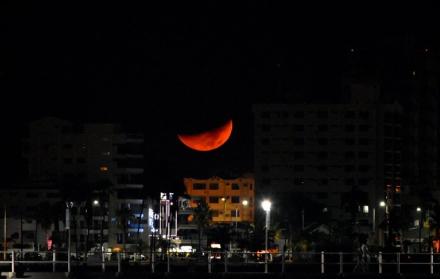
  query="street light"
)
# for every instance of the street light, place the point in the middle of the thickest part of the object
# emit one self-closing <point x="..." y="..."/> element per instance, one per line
<point x="244" y="203"/>
<point x="419" y="211"/>
<point x="266" y="204"/>
<point x="101" y="237"/>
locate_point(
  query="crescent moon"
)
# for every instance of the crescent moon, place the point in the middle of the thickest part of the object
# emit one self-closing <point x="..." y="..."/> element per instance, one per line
<point x="209" y="140"/>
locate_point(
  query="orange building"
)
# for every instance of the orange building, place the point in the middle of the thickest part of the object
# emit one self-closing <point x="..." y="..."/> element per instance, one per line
<point x="231" y="200"/>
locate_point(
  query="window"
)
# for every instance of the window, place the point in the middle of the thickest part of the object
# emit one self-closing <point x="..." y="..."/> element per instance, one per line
<point x="68" y="161"/>
<point x="199" y="186"/>
<point x="364" y="168"/>
<point x="349" y="128"/>
<point x="264" y="168"/>
<point x="250" y="186"/>
<point x="349" y="141"/>
<point x="349" y="181"/>
<point x="213" y="199"/>
<point x="363" y="155"/>
<point x="213" y="186"/>
<point x="32" y="195"/>
<point x="324" y="181"/>
<point x="235" y="186"/>
<point x="81" y="160"/>
<point x="265" y="114"/>
<point x="103" y="168"/>
<point x="266" y="181"/>
<point x="298" y="167"/>
<point x="322" y="114"/>
<point x="322" y="155"/>
<point x="298" y="155"/>
<point x="364" y="128"/>
<point x="299" y="141"/>
<point x="364" y="181"/>
<point x="235" y="213"/>
<point x="349" y="168"/>
<point x="52" y="195"/>
<point x="349" y="155"/>
<point x="349" y="115"/>
<point x="363" y="141"/>
<point x="322" y="141"/>
<point x="265" y="128"/>
<point x="298" y="114"/>
<point x="364" y="114"/>
<point x="68" y="146"/>
<point x="265" y="141"/>
<point x="322" y="195"/>
<point x="299" y="128"/>
<point x="298" y="180"/>
<point x="322" y="168"/>
<point x="322" y="128"/>
<point x="235" y="199"/>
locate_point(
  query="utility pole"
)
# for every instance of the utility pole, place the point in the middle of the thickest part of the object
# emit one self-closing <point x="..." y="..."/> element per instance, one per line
<point x="5" y="243"/>
<point x="21" y="235"/>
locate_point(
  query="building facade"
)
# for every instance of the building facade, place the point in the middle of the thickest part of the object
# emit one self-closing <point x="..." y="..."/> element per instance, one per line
<point x="99" y="157"/>
<point x="231" y="200"/>
<point x="327" y="151"/>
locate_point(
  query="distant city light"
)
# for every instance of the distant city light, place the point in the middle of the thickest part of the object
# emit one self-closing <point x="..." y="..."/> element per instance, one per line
<point x="244" y="202"/>
<point x="382" y="204"/>
<point x="95" y="202"/>
<point x="418" y="209"/>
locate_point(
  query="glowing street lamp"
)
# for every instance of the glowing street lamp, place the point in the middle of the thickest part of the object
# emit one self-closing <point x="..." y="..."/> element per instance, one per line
<point x="266" y="205"/>
<point x="96" y="202"/>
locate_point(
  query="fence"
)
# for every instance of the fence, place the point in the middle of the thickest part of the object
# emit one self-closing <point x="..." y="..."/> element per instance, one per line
<point x="212" y="262"/>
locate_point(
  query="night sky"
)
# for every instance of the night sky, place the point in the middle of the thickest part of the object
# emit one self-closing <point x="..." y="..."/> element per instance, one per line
<point x="165" y="71"/>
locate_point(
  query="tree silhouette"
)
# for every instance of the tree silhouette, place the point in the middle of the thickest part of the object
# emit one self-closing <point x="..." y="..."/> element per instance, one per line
<point x="202" y="218"/>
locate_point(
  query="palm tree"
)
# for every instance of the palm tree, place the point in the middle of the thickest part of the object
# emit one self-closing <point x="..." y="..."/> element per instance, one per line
<point x="202" y="218"/>
<point x="41" y="215"/>
<point x="124" y="215"/>
<point x="103" y="188"/>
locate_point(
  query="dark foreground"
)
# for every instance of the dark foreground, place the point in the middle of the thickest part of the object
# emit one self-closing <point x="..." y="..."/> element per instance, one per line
<point x="238" y="275"/>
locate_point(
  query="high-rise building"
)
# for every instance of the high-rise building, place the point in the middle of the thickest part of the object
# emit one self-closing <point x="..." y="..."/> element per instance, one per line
<point x="326" y="151"/>
<point x="63" y="153"/>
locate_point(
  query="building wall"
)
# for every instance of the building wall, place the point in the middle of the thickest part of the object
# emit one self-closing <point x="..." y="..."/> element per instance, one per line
<point x="60" y="152"/>
<point x="225" y="197"/>
<point x="324" y="150"/>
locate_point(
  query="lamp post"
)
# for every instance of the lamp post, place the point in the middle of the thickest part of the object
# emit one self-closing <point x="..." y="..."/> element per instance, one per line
<point x="68" y="207"/>
<point x="387" y="221"/>
<point x="266" y="205"/>
<point x="96" y="203"/>
<point x="419" y="211"/>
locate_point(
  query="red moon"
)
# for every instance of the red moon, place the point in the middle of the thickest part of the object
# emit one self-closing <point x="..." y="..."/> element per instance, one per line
<point x="209" y="140"/>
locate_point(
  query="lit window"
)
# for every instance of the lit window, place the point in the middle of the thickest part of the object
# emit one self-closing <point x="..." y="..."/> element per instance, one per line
<point x="365" y="209"/>
<point x="103" y="168"/>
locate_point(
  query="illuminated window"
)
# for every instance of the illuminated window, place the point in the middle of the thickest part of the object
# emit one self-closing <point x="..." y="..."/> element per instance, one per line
<point x="365" y="209"/>
<point x="103" y="168"/>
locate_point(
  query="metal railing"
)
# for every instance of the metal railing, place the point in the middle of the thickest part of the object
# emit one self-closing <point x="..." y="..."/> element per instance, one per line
<point x="212" y="262"/>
